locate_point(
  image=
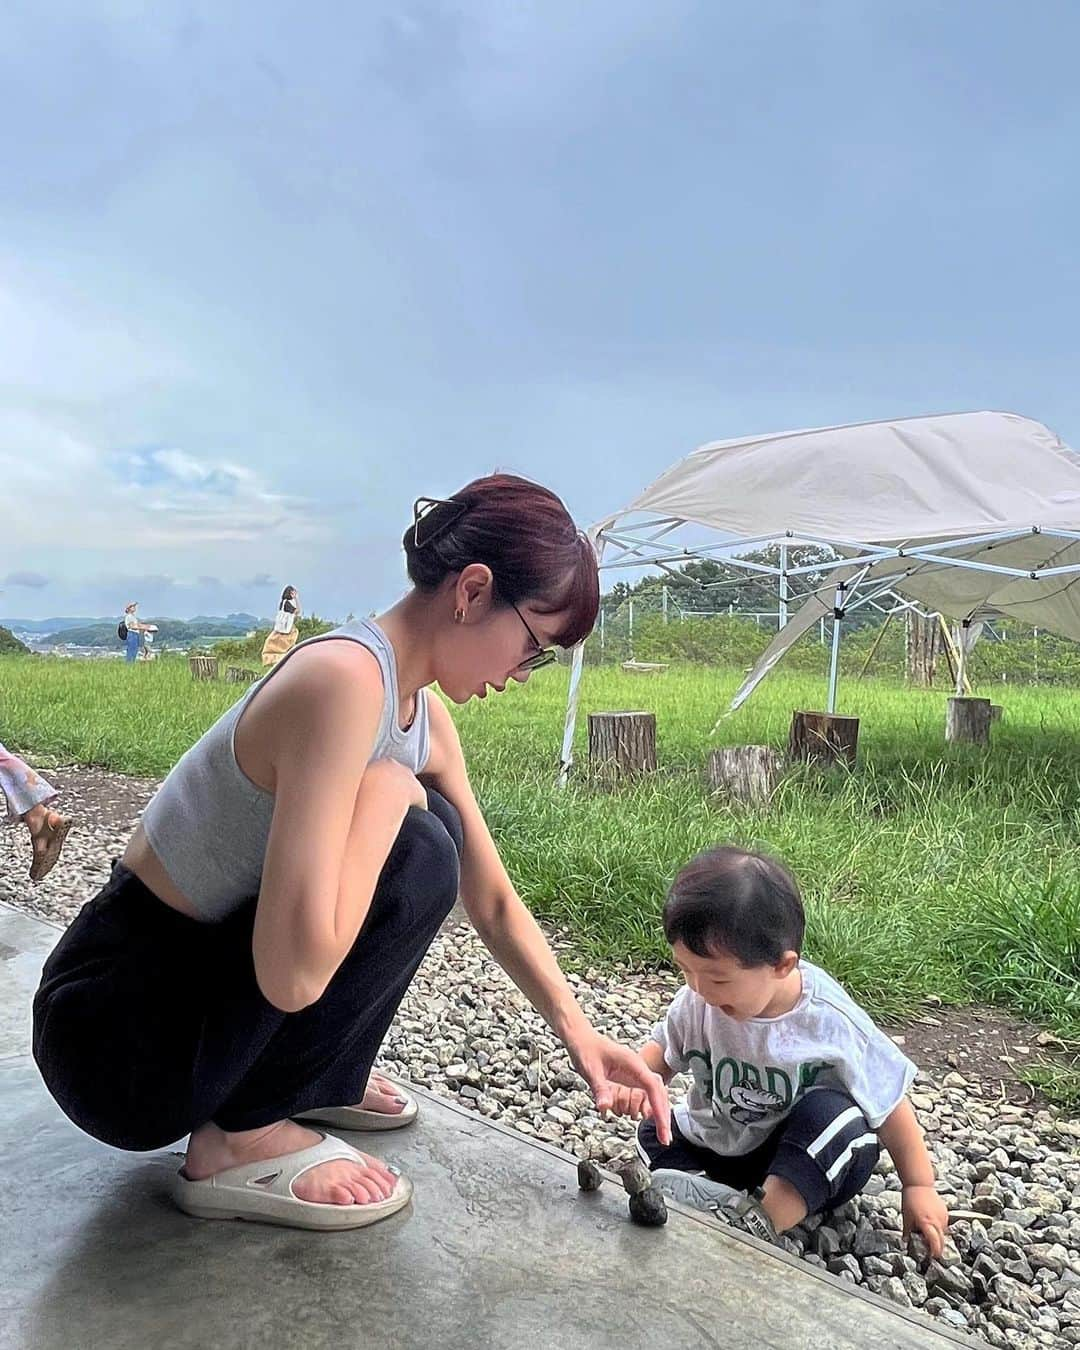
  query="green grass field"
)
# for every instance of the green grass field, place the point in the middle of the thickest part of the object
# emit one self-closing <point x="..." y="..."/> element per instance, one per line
<point x="930" y="870"/>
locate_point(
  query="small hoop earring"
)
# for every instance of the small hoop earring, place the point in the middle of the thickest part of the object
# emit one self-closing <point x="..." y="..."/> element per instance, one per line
<point x="459" y="616"/>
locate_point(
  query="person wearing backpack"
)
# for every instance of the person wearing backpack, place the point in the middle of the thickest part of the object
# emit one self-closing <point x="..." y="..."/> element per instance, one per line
<point x="129" y="631"/>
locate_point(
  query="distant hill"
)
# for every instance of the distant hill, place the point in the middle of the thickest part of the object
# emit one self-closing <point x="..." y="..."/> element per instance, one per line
<point x="10" y="644"/>
<point x="238" y="623"/>
<point x="244" y="622"/>
<point x="46" y="625"/>
<point x="171" y="632"/>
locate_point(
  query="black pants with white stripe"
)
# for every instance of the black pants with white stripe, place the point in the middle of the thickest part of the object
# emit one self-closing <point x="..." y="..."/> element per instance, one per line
<point x="825" y="1148"/>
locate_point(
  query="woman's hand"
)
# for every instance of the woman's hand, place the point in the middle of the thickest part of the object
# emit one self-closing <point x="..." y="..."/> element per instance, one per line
<point x="630" y="1101"/>
<point x="616" y="1074"/>
<point x="924" y="1212"/>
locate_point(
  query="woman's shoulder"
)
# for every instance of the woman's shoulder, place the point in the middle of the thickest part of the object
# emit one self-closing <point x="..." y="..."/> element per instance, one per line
<point x="336" y="672"/>
<point x="320" y="696"/>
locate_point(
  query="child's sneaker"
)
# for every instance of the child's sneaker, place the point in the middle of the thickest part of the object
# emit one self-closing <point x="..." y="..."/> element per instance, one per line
<point x="733" y="1207"/>
<point x="693" y="1189"/>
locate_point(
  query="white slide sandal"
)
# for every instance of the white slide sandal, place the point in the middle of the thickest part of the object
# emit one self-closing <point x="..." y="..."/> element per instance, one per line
<point x="356" y="1118"/>
<point x="262" y="1192"/>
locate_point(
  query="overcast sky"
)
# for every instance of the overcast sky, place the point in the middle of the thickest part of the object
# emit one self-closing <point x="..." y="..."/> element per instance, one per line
<point x="270" y="271"/>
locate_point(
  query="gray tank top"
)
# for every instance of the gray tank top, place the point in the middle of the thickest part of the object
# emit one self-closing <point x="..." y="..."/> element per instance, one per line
<point x="209" y="824"/>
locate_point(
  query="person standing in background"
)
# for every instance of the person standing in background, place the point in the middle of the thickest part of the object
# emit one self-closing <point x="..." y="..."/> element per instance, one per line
<point x="282" y="637"/>
<point x="130" y="632"/>
<point x="26" y="793"/>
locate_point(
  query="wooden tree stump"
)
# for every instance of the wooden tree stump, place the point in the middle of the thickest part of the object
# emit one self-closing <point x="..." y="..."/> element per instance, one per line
<point x="203" y="667"/>
<point x="968" y="720"/>
<point x="622" y="744"/>
<point x="746" y="773"/>
<point x="823" y="738"/>
<point x="240" y="675"/>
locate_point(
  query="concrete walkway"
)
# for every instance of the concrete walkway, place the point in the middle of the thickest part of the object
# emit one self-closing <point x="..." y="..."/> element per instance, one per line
<point x="499" y="1248"/>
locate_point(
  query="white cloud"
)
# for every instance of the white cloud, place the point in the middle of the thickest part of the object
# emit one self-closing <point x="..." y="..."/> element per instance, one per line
<point x="74" y="493"/>
<point x="32" y="580"/>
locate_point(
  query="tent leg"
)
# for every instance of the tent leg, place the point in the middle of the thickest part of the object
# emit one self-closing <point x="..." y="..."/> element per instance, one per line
<point x="572" y="699"/>
<point x="834" y="659"/>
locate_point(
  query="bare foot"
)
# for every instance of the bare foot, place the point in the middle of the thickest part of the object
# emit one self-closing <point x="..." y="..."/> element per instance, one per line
<point x="383" y="1095"/>
<point x="48" y="830"/>
<point x="211" y="1150"/>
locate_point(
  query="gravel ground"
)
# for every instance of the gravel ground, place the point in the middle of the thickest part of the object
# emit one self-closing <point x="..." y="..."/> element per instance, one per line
<point x="1009" y="1174"/>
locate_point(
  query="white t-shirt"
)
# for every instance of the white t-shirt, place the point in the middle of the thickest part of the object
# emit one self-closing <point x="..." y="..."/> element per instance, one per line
<point x="747" y="1075"/>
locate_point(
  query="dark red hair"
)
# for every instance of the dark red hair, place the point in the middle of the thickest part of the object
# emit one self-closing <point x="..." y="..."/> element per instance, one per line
<point x="524" y="533"/>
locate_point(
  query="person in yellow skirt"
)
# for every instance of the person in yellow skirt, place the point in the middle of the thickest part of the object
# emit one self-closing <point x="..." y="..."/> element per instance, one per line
<point x="282" y="637"/>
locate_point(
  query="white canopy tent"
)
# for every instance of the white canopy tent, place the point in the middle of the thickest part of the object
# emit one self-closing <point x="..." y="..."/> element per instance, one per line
<point x="973" y="515"/>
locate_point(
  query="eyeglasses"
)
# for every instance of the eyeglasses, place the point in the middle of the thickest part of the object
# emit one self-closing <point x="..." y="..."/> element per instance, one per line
<point x="543" y="656"/>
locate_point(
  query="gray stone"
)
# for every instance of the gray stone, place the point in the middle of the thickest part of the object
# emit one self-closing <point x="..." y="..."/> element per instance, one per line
<point x="1013" y="1262"/>
<point x="918" y="1250"/>
<point x="948" y="1279"/>
<point x="877" y="1266"/>
<point x="1021" y="1218"/>
<point x="1044" y="1200"/>
<point x="1009" y="1293"/>
<point x="894" y="1290"/>
<point x="916" y="1287"/>
<point x="988" y="1204"/>
<point x="848" y="1263"/>
<point x="868" y="1240"/>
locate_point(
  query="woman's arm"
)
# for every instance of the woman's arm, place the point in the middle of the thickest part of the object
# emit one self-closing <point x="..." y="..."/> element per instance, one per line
<point x="515" y="939"/>
<point x="320" y="873"/>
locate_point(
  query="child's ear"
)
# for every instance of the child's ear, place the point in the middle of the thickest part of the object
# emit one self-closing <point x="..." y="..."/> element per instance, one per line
<point x="786" y="965"/>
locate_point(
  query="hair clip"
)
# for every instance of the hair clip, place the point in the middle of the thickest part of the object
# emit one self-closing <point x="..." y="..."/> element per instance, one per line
<point x="423" y="507"/>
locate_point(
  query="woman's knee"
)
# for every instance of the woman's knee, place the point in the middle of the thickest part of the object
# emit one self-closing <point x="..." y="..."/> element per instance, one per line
<point x="426" y="855"/>
<point x="445" y="811"/>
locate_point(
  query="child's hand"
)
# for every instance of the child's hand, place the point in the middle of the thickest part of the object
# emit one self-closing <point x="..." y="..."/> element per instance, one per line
<point x="924" y="1212"/>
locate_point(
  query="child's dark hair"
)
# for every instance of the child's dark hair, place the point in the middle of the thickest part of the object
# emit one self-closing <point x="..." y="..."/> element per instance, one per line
<point x="729" y="900"/>
<point x="525" y="534"/>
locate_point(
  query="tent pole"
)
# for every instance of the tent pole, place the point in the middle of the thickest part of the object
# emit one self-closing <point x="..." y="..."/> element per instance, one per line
<point x="834" y="660"/>
<point x="572" y="698"/>
<point x="783" y="590"/>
